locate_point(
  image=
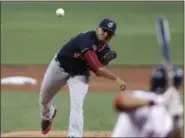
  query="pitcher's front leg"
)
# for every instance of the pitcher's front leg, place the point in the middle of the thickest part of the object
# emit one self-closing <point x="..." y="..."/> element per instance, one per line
<point x="78" y="87"/>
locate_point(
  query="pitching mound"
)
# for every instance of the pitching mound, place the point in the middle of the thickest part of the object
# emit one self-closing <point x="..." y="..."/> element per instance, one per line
<point x="53" y="134"/>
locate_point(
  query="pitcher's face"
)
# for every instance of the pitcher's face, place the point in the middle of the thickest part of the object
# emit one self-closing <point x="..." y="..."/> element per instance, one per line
<point x="104" y="35"/>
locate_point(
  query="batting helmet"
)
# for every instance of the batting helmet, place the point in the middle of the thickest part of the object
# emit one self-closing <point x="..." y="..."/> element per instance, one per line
<point x="158" y="82"/>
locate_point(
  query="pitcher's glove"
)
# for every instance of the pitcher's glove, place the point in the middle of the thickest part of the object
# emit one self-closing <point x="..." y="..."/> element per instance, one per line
<point x="108" y="57"/>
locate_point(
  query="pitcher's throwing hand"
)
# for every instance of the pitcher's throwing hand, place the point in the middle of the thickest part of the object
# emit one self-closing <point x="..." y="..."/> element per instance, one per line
<point x="122" y="84"/>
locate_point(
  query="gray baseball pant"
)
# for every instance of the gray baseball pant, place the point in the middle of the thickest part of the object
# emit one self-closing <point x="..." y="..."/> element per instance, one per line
<point x="55" y="78"/>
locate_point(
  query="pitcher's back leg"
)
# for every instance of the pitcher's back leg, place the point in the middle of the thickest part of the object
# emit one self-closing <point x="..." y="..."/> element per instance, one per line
<point x="53" y="80"/>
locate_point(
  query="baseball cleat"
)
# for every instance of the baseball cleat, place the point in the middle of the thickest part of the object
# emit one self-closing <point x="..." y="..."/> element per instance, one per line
<point x="46" y="124"/>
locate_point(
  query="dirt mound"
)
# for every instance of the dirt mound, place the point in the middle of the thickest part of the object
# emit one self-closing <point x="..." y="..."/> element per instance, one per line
<point x="54" y="134"/>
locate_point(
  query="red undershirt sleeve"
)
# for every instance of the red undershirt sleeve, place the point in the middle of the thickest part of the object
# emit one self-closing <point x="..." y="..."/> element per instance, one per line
<point x="92" y="60"/>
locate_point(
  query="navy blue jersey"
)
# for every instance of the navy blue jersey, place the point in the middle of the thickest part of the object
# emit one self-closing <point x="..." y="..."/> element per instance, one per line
<point x="70" y="55"/>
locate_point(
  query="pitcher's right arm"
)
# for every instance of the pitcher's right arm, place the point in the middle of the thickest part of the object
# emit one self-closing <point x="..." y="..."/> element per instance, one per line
<point x="100" y="70"/>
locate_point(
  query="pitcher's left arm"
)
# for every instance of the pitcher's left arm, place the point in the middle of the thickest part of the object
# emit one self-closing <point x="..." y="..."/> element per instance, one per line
<point x="106" y="55"/>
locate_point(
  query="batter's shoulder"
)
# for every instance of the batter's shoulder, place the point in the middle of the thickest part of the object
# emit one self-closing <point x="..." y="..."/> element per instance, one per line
<point x="142" y="94"/>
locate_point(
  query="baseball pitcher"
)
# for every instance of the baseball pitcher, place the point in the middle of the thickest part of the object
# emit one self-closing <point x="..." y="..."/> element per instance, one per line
<point x="88" y="51"/>
<point x="150" y="114"/>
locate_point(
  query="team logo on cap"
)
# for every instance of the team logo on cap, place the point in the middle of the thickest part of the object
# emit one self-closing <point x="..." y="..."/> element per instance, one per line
<point x="110" y="24"/>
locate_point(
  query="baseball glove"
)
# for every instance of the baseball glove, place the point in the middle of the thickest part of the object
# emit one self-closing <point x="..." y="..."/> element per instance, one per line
<point x="108" y="57"/>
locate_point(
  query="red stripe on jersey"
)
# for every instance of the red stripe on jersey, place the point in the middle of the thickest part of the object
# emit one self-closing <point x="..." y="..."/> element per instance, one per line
<point x="92" y="60"/>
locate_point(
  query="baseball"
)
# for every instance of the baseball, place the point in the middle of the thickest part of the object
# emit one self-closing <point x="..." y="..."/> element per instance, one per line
<point x="60" y="12"/>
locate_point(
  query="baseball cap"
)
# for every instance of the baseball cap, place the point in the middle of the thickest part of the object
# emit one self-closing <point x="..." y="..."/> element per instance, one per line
<point x="109" y="25"/>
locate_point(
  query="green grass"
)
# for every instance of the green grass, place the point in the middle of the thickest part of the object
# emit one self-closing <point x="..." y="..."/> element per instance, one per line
<point x="31" y="33"/>
<point x="20" y="111"/>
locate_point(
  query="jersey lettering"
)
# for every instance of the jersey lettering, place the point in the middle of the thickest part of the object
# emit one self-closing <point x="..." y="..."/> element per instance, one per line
<point x="77" y="55"/>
